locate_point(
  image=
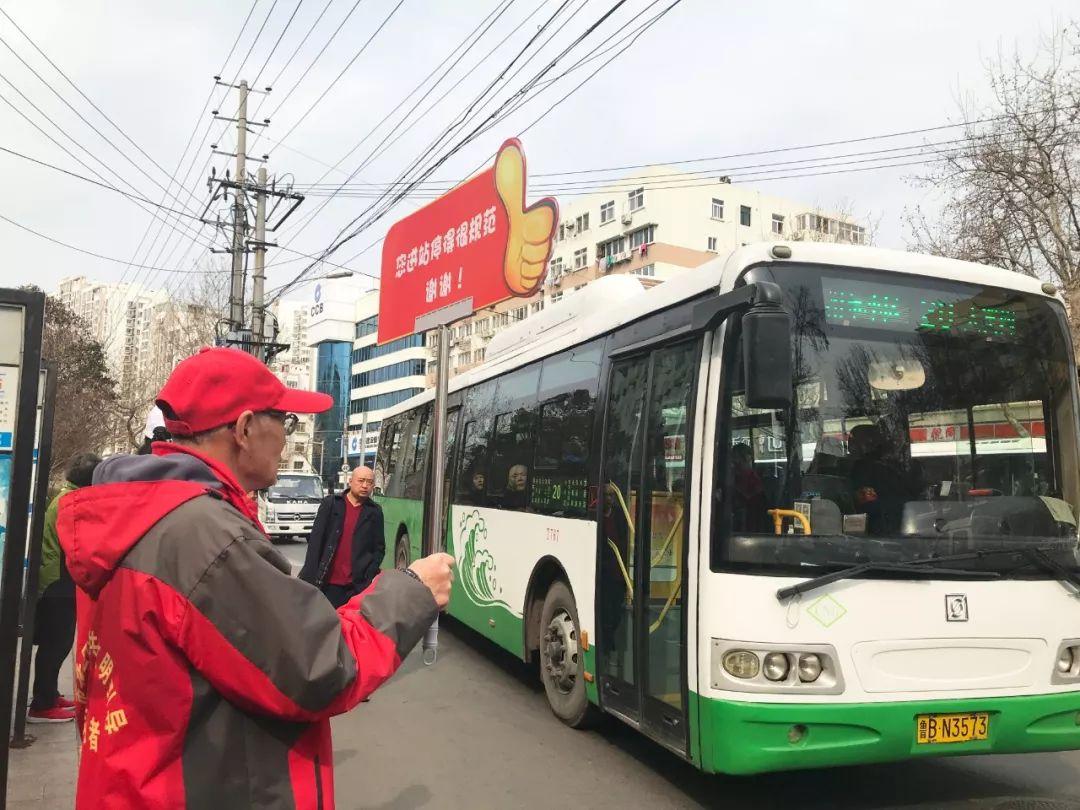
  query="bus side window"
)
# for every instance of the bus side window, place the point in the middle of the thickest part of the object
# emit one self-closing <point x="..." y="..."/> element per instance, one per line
<point x="513" y="434"/>
<point x="415" y="453"/>
<point x="565" y="426"/>
<point x="471" y="482"/>
<point x="389" y="447"/>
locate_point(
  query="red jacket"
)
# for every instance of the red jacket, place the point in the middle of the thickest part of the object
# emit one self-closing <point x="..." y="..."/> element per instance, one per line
<point x="205" y="674"/>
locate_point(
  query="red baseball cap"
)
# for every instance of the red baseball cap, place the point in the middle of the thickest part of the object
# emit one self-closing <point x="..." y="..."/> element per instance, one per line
<point x="213" y="387"/>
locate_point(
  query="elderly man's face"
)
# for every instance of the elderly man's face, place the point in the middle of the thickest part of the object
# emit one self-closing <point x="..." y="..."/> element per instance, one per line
<point x="362" y="482"/>
<point x="519" y="476"/>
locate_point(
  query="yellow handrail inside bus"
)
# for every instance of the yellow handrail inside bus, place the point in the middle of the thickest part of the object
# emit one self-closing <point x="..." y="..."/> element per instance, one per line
<point x="667" y="605"/>
<point x="614" y="489"/>
<point x="625" y="573"/>
<point x="778" y="516"/>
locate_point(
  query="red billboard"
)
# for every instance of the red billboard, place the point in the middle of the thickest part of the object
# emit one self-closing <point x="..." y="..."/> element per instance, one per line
<point x="479" y="243"/>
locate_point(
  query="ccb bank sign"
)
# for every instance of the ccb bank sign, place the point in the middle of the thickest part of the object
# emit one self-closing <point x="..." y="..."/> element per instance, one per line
<point x="318" y="306"/>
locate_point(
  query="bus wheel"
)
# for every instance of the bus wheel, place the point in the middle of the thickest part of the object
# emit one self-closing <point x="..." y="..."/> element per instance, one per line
<point x="401" y="552"/>
<point x="562" y="662"/>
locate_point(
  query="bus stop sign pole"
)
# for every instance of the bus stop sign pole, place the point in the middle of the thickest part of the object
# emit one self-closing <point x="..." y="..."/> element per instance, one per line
<point x="436" y="531"/>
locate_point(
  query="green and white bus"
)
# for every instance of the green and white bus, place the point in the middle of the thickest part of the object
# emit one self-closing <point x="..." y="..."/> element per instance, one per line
<point x="806" y="505"/>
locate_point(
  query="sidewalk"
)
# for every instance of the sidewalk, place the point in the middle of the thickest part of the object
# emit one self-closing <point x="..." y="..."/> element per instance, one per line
<point x="42" y="777"/>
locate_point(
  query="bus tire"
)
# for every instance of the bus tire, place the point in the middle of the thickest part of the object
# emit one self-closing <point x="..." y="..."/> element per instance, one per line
<point x="401" y="552"/>
<point x="562" y="662"/>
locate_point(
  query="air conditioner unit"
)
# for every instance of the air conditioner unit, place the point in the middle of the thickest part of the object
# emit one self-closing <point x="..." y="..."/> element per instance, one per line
<point x="570" y="225"/>
<point x="627" y="217"/>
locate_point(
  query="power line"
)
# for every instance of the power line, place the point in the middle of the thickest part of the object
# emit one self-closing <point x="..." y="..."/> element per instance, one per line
<point x="485" y="25"/>
<point x="78" y="249"/>
<point x="426" y="172"/>
<point x="344" y="70"/>
<point x="78" y="90"/>
<point x="90" y="180"/>
<point x="634" y="181"/>
<point x="190" y="141"/>
<point x="313" y="62"/>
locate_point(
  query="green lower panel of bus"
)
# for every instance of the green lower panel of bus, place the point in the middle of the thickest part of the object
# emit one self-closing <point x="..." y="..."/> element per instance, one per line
<point x="745" y="738"/>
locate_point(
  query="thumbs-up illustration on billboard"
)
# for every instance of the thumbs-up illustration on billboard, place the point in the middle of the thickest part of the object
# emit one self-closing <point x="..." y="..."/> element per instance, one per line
<point x="476" y="245"/>
<point x="528" y="243"/>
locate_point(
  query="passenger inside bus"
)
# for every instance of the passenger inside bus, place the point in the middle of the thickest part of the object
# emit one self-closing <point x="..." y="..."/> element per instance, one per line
<point x="749" y="490"/>
<point x="515" y="495"/>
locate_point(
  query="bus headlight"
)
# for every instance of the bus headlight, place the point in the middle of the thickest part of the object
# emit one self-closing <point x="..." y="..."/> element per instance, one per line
<point x="767" y="667"/>
<point x="1067" y="664"/>
<point x="741" y="664"/>
<point x="809" y="667"/>
<point x="776" y="666"/>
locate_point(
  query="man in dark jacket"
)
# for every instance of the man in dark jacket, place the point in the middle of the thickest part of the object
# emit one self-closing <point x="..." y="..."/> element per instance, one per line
<point x="205" y="674"/>
<point x="346" y="544"/>
<point x="54" y="622"/>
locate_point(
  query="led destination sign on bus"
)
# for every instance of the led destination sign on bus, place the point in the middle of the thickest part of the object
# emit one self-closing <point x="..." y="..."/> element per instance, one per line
<point x="849" y="302"/>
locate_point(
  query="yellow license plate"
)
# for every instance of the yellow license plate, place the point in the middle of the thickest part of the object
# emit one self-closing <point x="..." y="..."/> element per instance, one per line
<point x="951" y="728"/>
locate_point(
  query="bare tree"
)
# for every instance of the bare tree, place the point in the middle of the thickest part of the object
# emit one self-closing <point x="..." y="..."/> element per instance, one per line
<point x="85" y="392"/>
<point x="1011" y="193"/>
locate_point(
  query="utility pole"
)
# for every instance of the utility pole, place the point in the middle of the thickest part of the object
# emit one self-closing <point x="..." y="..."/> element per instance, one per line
<point x="258" y="278"/>
<point x="241" y="241"/>
<point x="239" y="223"/>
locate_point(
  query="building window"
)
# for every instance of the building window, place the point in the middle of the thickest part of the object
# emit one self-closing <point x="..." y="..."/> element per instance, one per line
<point x="642" y="236"/>
<point x="744" y="215"/>
<point x="394" y="371"/>
<point x="371" y="352"/>
<point x="579" y="287"/>
<point x="555" y="268"/>
<point x="556" y="297"/>
<point x="466" y="329"/>
<point x="479" y="355"/>
<point x="637" y="199"/>
<point x="607" y="212"/>
<point x="537" y="306"/>
<point x="501" y="319"/>
<point x="483" y="326"/>
<point x="648" y="271"/>
<point x="583" y="223"/>
<point x="368" y="326"/>
<point x="562" y="231"/>
<point x="717" y="208"/>
<point x="712" y="244"/>
<point x="777" y="223"/>
<point x="581" y="258"/>
<point x="519" y="314"/>
<point x="611" y="247"/>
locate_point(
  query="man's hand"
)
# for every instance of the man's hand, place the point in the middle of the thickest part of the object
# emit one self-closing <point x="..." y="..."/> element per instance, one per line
<point x="436" y="571"/>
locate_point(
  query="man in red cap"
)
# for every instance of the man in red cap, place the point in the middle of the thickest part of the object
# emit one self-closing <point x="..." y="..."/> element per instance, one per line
<point x="205" y="674"/>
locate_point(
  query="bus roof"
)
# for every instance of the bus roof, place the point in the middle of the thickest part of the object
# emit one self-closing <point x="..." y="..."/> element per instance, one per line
<point x="613" y="301"/>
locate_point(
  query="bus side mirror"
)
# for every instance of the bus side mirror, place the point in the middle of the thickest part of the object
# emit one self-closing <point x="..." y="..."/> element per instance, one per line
<point x="766" y="334"/>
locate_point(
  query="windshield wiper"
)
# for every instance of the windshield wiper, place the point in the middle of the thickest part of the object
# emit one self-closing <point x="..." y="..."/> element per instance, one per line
<point x="918" y="567"/>
<point x="1035" y="555"/>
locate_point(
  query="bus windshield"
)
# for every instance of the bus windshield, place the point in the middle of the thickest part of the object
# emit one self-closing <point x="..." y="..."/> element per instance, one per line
<point x="929" y="418"/>
<point x="296" y="487"/>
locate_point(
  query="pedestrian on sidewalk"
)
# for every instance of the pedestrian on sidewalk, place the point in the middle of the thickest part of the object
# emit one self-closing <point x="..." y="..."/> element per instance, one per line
<point x="205" y="673"/>
<point x="346" y="545"/>
<point x="54" y="618"/>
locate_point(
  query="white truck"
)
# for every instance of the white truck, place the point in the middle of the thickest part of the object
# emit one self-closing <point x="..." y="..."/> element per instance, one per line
<point x="288" y="508"/>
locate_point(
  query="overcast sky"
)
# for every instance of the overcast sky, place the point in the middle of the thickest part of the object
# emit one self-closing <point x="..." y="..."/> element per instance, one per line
<point x="706" y="80"/>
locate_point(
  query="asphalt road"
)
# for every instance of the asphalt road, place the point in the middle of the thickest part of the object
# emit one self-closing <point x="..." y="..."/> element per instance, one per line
<point x="474" y="731"/>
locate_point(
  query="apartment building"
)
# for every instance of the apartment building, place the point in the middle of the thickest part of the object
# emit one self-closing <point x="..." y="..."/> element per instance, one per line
<point x="653" y="226"/>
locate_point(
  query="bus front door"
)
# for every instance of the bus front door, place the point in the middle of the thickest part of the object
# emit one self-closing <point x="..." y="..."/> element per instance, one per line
<point x="642" y="621"/>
